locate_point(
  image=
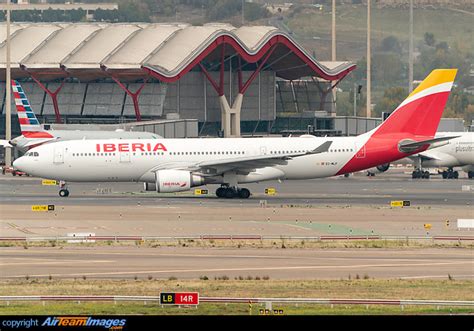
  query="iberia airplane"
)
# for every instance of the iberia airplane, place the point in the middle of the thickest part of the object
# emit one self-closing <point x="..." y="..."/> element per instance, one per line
<point x="33" y="134"/>
<point x="174" y="165"/>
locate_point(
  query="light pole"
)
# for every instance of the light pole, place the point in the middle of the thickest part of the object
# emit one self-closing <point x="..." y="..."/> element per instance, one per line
<point x="8" y="111"/>
<point x="410" y="51"/>
<point x="369" y="85"/>
<point x="355" y="100"/>
<point x="333" y="31"/>
<point x="243" y="1"/>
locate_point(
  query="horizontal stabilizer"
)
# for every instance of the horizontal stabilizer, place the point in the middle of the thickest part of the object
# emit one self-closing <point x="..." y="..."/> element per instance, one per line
<point x="5" y="143"/>
<point x="408" y="146"/>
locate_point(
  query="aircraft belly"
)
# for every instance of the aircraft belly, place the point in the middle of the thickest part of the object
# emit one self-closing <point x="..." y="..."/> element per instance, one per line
<point x="313" y="166"/>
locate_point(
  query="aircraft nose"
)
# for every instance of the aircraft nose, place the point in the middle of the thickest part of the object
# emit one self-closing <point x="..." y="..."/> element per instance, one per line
<point x="20" y="164"/>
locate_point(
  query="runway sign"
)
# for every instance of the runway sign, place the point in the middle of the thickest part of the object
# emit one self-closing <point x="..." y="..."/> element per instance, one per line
<point x="270" y="191"/>
<point x="179" y="298"/>
<point x="400" y="203"/>
<point x="199" y="191"/>
<point x="42" y="207"/>
<point x="49" y="182"/>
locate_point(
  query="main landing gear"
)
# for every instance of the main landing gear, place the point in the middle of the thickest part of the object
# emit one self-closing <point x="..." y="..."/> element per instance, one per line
<point x="419" y="173"/>
<point x="232" y="192"/>
<point x="450" y="174"/>
<point x="63" y="192"/>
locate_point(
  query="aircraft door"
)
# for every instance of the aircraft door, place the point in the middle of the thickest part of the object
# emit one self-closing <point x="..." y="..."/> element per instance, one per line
<point x="58" y="155"/>
<point x="263" y="150"/>
<point x="124" y="157"/>
<point x="360" y="150"/>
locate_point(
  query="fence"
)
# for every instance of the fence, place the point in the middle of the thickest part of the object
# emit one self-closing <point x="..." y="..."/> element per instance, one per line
<point x="92" y="238"/>
<point x="226" y="300"/>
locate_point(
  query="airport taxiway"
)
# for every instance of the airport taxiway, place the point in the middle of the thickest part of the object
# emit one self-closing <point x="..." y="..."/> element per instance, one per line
<point x="188" y="262"/>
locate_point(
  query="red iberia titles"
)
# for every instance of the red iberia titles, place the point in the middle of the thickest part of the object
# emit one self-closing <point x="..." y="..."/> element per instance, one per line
<point x="133" y="147"/>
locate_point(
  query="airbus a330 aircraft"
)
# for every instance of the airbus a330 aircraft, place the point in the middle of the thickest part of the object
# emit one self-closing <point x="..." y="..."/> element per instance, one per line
<point x="457" y="152"/>
<point x="174" y="165"/>
<point x="34" y="135"/>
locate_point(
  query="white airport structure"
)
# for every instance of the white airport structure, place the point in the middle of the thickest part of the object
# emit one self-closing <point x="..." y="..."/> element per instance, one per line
<point x="217" y="74"/>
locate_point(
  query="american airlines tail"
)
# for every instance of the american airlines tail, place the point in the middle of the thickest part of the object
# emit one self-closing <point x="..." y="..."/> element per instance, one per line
<point x="29" y="124"/>
<point x="411" y="126"/>
<point x="27" y="118"/>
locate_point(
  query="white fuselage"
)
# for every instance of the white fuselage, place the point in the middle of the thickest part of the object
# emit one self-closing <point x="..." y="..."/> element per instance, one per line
<point x="138" y="160"/>
<point x="24" y="143"/>
<point x="458" y="152"/>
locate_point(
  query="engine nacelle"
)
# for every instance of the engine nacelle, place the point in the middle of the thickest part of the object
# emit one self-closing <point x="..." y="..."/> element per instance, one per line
<point x="169" y="181"/>
<point x="378" y="169"/>
<point x="149" y="186"/>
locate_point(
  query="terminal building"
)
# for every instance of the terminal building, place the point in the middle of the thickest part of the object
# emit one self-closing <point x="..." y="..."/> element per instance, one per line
<point x="231" y="81"/>
<point x="210" y="80"/>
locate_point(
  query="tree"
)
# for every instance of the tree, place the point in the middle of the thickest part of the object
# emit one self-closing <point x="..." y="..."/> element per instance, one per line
<point x="391" y="44"/>
<point x="430" y="39"/>
<point x="392" y="97"/>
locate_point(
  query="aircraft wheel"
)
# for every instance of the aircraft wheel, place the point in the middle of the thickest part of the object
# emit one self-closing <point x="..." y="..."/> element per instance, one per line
<point x="470" y="174"/>
<point x="244" y="193"/>
<point x="444" y="174"/>
<point x="426" y="175"/>
<point x="63" y="193"/>
<point x="229" y="193"/>
<point x="220" y="192"/>
<point x="455" y="175"/>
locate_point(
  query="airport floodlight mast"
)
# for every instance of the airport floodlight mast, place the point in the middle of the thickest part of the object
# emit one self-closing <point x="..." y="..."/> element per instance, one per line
<point x="8" y="126"/>
<point x="410" y="51"/>
<point x="369" y="83"/>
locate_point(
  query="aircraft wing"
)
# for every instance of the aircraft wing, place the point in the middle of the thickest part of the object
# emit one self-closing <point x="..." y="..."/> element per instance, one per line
<point x="249" y="163"/>
<point x="425" y="156"/>
<point x="242" y="164"/>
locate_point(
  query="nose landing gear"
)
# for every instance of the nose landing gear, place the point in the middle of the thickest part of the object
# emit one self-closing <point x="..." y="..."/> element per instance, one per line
<point x="63" y="192"/>
<point x="232" y="192"/>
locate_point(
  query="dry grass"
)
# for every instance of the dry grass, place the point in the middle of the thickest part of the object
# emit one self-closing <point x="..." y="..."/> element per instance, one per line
<point x="355" y="288"/>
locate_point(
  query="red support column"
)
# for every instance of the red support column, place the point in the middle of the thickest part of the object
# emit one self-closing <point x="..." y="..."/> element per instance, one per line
<point x="53" y="95"/>
<point x="133" y="95"/>
<point x="239" y="74"/>
<point x="256" y="72"/>
<point x="209" y="78"/>
<point x="221" y="83"/>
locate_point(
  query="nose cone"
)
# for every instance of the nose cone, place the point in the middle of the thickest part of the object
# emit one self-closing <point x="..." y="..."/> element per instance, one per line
<point x="21" y="164"/>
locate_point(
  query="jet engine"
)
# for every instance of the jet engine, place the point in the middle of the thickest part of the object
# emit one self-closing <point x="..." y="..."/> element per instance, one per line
<point x="378" y="169"/>
<point x="149" y="186"/>
<point x="168" y="181"/>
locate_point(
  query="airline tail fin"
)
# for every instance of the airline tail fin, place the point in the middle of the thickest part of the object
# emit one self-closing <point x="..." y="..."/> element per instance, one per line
<point x="419" y="114"/>
<point x="27" y="118"/>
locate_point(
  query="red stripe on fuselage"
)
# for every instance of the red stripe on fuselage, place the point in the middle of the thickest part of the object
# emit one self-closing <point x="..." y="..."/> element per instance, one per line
<point x="37" y="134"/>
<point x="417" y="120"/>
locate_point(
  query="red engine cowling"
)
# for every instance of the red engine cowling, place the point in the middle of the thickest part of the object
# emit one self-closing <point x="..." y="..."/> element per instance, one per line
<point x="169" y="181"/>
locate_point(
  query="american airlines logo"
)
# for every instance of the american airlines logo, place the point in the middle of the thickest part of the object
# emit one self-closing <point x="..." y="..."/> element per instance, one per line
<point x="134" y="147"/>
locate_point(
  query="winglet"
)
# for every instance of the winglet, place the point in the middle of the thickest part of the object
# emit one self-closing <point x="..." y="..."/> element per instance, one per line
<point x="323" y="148"/>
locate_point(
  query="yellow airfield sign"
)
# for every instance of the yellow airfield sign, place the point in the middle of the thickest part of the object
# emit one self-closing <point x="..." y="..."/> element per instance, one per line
<point x="49" y="182"/>
<point x="270" y="191"/>
<point x="42" y="207"/>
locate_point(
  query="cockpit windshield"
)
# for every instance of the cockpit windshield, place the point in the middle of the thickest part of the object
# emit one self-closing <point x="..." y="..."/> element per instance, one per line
<point x="32" y="154"/>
